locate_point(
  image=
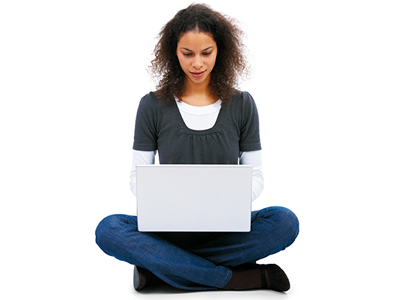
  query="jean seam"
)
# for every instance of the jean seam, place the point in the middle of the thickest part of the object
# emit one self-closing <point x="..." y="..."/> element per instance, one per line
<point x="228" y="273"/>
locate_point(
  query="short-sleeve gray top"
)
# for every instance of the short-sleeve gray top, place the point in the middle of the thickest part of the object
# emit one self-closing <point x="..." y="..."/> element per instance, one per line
<point x="159" y="126"/>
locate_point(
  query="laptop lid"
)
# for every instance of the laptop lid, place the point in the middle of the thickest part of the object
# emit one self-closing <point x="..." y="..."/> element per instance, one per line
<point x="209" y="198"/>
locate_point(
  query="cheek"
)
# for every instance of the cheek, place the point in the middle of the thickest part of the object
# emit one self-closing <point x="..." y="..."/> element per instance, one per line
<point x="182" y="62"/>
<point x="212" y="61"/>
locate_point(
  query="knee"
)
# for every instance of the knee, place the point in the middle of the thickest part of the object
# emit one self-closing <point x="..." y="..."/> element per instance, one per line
<point x="286" y="223"/>
<point x="289" y="223"/>
<point x="104" y="231"/>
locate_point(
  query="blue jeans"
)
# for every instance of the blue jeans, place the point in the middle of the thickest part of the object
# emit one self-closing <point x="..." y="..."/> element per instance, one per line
<point x="197" y="260"/>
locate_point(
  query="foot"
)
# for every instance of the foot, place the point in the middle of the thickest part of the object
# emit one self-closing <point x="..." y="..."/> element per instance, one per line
<point x="275" y="278"/>
<point x="140" y="278"/>
<point x="143" y="278"/>
<point x="253" y="276"/>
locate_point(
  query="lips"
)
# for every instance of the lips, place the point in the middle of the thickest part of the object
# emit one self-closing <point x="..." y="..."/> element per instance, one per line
<point x="197" y="74"/>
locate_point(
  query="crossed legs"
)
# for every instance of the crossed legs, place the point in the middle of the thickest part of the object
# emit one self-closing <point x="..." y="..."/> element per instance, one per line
<point x="197" y="261"/>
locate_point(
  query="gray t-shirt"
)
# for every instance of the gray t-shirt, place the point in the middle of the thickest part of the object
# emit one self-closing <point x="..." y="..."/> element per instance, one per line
<point x="159" y="126"/>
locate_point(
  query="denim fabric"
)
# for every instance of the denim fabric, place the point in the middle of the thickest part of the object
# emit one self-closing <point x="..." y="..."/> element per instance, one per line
<point x="197" y="260"/>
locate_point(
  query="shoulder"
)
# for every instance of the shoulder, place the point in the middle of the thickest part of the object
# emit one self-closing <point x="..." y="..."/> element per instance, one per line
<point x="152" y="108"/>
<point x="149" y="100"/>
<point x="244" y="108"/>
<point x="243" y="100"/>
<point x="148" y="107"/>
<point x="152" y="99"/>
<point x="247" y="98"/>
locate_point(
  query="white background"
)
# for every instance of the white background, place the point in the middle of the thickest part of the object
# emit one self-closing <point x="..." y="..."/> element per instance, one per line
<point x="325" y="76"/>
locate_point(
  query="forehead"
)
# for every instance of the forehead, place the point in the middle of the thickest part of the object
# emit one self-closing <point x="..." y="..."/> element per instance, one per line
<point x="195" y="40"/>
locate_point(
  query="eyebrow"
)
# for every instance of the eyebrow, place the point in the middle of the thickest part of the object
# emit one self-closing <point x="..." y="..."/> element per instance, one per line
<point x="211" y="47"/>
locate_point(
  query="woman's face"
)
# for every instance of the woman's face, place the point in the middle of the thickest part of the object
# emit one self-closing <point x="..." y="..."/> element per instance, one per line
<point x="197" y="52"/>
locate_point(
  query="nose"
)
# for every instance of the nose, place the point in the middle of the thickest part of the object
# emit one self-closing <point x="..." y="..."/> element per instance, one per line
<point x="197" y="63"/>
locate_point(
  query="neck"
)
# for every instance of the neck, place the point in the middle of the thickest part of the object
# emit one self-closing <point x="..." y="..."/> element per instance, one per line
<point x="197" y="94"/>
<point x="197" y="89"/>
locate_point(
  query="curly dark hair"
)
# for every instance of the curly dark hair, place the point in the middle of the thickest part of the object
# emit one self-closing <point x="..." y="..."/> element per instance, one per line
<point x="230" y="65"/>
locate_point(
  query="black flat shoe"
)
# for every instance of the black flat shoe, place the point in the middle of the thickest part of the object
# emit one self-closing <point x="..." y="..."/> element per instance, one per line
<point x="274" y="278"/>
<point x="139" y="278"/>
<point x="253" y="276"/>
<point x="143" y="278"/>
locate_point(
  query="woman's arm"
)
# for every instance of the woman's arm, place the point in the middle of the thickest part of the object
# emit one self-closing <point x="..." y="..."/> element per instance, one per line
<point x="254" y="158"/>
<point x="139" y="158"/>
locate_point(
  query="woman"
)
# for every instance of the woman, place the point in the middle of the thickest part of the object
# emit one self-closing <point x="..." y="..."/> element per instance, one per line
<point x="197" y="116"/>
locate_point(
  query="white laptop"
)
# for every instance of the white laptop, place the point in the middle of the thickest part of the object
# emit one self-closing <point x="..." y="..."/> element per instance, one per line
<point x="204" y="198"/>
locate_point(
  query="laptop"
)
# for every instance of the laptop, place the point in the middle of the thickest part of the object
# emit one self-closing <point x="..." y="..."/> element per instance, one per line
<point x="198" y="198"/>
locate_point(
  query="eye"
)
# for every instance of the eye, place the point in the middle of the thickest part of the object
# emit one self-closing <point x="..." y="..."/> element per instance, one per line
<point x="207" y="53"/>
<point x="187" y="54"/>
